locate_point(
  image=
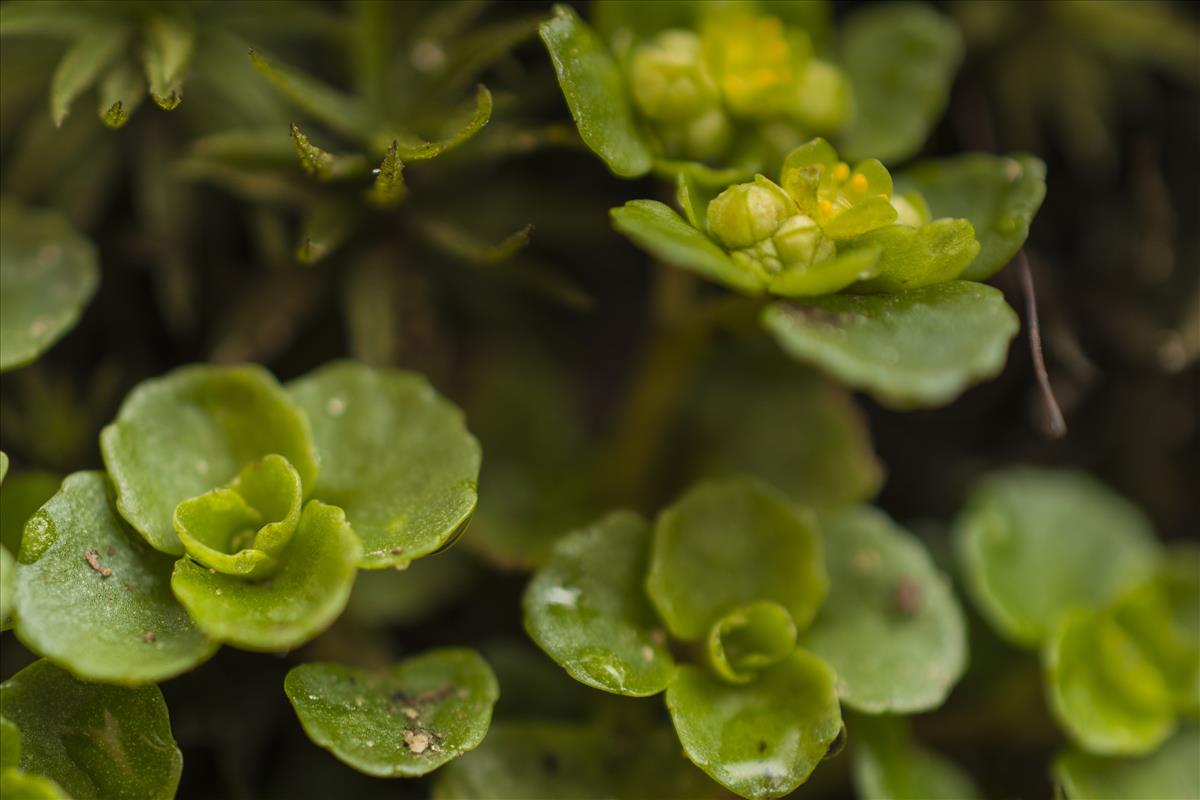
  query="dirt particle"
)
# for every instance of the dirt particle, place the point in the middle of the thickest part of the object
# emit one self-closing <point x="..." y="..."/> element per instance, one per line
<point x="93" y="559"/>
<point x="410" y="712"/>
<point x="416" y="741"/>
<point x="149" y="637"/>
<point x="907" y="597"/>
<point x="212" y="571"/>
<point x="129" y="587"/>
<point x="647" y="653"/>
<point x="762" y="747"/>
<point x="397" y="550"/>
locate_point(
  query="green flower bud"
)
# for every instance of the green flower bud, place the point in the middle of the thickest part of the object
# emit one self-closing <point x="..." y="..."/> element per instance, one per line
<point x="748" y="213"/>
<point x="822" y="97"/>
<point x="670" y="79"/>
<point x="801" y="243"/>
<point x="754" y="62"/>
<point x="911" y="210"/>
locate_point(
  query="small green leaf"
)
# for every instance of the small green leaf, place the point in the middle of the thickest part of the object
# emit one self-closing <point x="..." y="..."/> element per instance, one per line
<point x="1170" y="643"/>
<point x="95" y="598"/>
<point x="750" y="638"/>
<point x="1103" y="688"/>
<point x="587" y="609"/>
<point x="1034" y="542"/>
<point x="406" y="721"/>
<point x="341" y="112"/>
<point x="595" y="91"/>
<point x="292" y="606"/>
<point x="121" y="91"/>
<point x="166" y="56"/>
<point x="1168" y="773"/>
<point x="913" y="257"/>
<point x="48" y="273"/>
<point x="889" y="765"/>
<point x="389" y="187"/>
<point x="901" y="59"/>
<point x="700" y="571"/>
<point x="21" y="494"/>
<point x="421" y="151"/>
<point x="95" y="741"/>
<point x="827" y="277"/>
<point x="999" y="195"/>
<point x="922" y="347"/>
<point x="322" y="165"/>
<point x="17" y="784"/>
<point x="81" y="66"/>
<point x="660" y="231"/>
<point x="762" y="739"/>
<point x="891" y="627"/>
<point x="192" y="430"/>
<point x="326" y="226"/>
<point x="371" y="426"/>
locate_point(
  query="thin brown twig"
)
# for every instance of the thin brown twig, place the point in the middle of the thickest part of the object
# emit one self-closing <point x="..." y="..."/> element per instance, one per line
<point x="1056" y="425"/>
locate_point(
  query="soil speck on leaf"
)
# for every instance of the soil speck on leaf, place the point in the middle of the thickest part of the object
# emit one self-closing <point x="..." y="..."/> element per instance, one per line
<point x="148" y="637"/>
<point x="907" y="597"/>
<point x="93" y="559"/>
<point x="416" y="741"/>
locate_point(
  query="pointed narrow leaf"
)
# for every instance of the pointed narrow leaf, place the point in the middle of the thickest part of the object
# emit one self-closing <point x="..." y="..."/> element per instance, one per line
<point x="1168" y="773"/>
<point x="121" y="91"/>
<point x="890" y="765"/>
<point x="97" y="742"/>
<point x="1035" y="542"/>
<point x="294" y="605"/>
<point x="322" y="165"/>
<point x="326" y="226"/>
<point x="728" y="543"/>
<point x="762" y="739"/>
<point x="48" y="273"/>
<point x="936" y="252"/>
<point x="922" y="347"/>
<point x="587" y="608"/>
<point x="167" y="55"/>
<point x="339" y="111"/>
<point x="595" y="91"/>
<point x="405" y="721"/>
<point x="371" y="427"/>
<point x="657" y="229"/>
<point x="81" y="66"/>
<point x="389" y="187"/>
<point x="999" y="195"/>
<point x="421" y="151"/>
<point x="95" y="598"/>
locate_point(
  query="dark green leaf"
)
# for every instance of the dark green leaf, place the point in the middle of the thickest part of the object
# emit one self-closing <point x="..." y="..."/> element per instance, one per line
<point x="121" y="91"/>
<point x="322" y="165"/>
<point x="389" y="188"/>
<point x="420" y="151"/>
<point x="322" y="102"/>
<point x="167" y="55"/>
<point x="889" y="765"/>
<point x="81" y="66"/>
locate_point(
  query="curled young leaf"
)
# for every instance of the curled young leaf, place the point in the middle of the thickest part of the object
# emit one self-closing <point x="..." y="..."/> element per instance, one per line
<point x="405" y="721"/>
<point x="749" y="639"/>
<point x="587" y="608"/>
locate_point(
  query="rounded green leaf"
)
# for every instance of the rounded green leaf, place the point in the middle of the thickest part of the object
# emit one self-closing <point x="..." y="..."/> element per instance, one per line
<point x="936" y="252"/>
<point x="761" y="739"/>
<point x="97" y="742"/>
<point x="395" y="455"/>
<point x="750" y="638"/>
<point x="901" y="59"/>
<point x="406" y="721"/>
<point x="829" y="276"/>
<point x="94" y="598"/>
<point x="1168" y="773"/>
<point x="48" y="273"/>
<point x="731" y="542"/>
<point x="596" y="93"/>
<point x="998" y="194"/>
<point x="891" y="627"/>
<point x="244" y="529"/>
<point x="1148" y="615"/>
<point x="922" y="347"/>
<point x="292" y="606"/>
<point x="17" y="784"/>
<point x="193" y="430"/>
<point x="587" y="608"/>
<point x="1103" y="687"/>
<point x="889" y="765"/>
<point x="1034" y="542"/>
<point x="658" y="230"/>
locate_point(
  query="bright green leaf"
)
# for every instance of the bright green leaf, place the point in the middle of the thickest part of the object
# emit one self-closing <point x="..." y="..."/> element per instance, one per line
<point x="749" y="639"/>
<point x="891" y="627"/>
<point x="295" y="604"/>
<point x="81" y="66"/>
<point x="97" y="742"/>
<point x="595" y="91"/>
<point x="406" y="721"/>
<point x="587" y="608"/>
<point x="1171" y="644"/>
<point x="1168" y="773"/>
<point x="166" y="56"/>
<point x="1034" y="542"/>
<point x="826" y="277"/>
<point x="913" y="257"/>
<point x="48" y="273"/>
<point x="95" y="598"/>
<point x="901" y="59"/>
<point x="999" y="195"/>
<point x="728" y="543"/>
<point x="17" y="784"/>
<point x="192" y="430"/>
<point x="922" y="347"/>
<point x="889" y="765"/>
<point x="371" y="427"/>
<point x="761" y="739"/>
<point x="660" y="231"/>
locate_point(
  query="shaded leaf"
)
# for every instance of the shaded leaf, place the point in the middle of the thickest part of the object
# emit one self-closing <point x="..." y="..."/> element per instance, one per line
<point x="371" y="426"/>
<point x="1035" y="542"/>
<point x="595" y="91"/>
<point x="95" y="741"/>
<point x="95" y="598"/>
<point x="406" y="721"/>
<point x="890" y="765"/>
<point x="121" y="91"/>
<point x="776" y="555"/>
<point x="389" y="188"/>
<point x="326" y="226"/>
<point x="389" y="597"/>
<point x="8" y="585"/>
<point x="48" y="273"/>
<point x="81" y="66"/>
<point x="21" y="494"/>
<point x="341" y="112"/>
<point x="421" y="151"/>
<point x="1168" y="773"/>
<point x="166" y="56"/>
<point x="587" y="608"/>
<point x="322" y="165"/>
<point x="922" y="347"/>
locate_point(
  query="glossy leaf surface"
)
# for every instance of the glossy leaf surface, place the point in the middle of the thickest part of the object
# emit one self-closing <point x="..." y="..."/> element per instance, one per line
<point x="749" y="639"/>
<point x="909" y="258"/>
<point x="406" y="721"/>
<point x="587" y="608"/>
<point x="922" y="347"/>
<point x="395" y="455"/>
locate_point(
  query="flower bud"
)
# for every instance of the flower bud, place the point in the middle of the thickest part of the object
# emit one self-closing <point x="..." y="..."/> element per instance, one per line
<point x="670" y="79"/>
<point x="747" y="213"/>
<point x="822" y="97"/>
<point x="753" y="60"/>
<point x="801" y="243"/>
